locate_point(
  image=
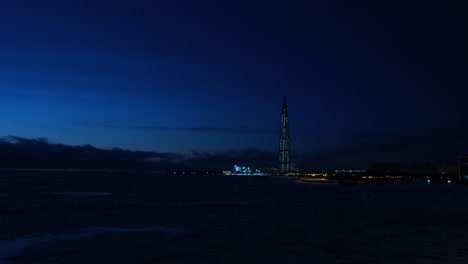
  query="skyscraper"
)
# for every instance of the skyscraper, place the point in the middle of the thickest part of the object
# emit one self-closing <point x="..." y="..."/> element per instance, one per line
<point x="284" y="150"/>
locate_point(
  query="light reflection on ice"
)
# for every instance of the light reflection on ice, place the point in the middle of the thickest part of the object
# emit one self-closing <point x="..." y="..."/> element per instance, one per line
<point x="15" y="247"/>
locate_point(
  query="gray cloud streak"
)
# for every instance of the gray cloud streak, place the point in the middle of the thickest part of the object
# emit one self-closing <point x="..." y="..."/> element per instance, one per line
<point x="198" y="129"/>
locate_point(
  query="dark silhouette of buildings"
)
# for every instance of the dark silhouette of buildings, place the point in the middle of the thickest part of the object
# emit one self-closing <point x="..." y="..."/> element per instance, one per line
<point x="423" y="170"/>
<point x="447" y="171"/>
<point x="385" y="169"/>
<point x="284" y="150"/>
<point x="463" y="168"/>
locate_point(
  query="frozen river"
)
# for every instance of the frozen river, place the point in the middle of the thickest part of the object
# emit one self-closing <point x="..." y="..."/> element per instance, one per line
<point x="61" y="217"/>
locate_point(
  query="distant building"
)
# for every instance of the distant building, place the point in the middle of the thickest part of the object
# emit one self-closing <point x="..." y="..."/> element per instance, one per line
<point x="437" y="172"/>
<point x="348" y="175"/>
<point x="463" y="168"/>
<point x="446" y="171"/>
<point x="293" y="167"/>
<point x="447" y="167"/>
<point x="268" y="168"/>
<point x="246" y="171"/>
<point x="423" y="170"/>
<point x="284" y="147"/>
<point x="350" y="171"/>
<point x="385" y="169"/>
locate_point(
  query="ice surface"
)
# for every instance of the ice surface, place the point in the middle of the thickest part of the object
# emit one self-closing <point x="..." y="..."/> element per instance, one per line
<point x="161" y="229"/>
<point x="12" y="248"/>
<point x="15" y="247"/>
<point x="231" y="220"/>
<point x="82" y="193"/>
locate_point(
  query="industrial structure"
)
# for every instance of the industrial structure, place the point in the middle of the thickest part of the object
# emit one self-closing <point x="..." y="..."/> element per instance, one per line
<point x="284" y="148"/>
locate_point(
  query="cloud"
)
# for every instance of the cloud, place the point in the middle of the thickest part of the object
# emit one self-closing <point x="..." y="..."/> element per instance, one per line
<point x="361" y="151"/>
<point x="17" y="152"/>
<point x="20" y="140"/>
<point x="235" y="130"/>
<point x="227" y="158"/>
<point x="368" y="145"/>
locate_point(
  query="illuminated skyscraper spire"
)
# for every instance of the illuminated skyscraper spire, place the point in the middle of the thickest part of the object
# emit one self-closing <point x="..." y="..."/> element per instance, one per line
<point x="284" y="150"/>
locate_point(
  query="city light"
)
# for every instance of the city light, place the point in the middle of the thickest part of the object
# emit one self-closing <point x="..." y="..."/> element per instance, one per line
<point x="246" y="171"/>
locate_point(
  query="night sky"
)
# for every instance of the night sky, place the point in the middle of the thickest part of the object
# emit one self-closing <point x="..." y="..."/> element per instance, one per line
<point x="365" y="81"/>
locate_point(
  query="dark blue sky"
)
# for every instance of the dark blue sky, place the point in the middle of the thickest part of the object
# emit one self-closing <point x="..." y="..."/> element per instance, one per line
<point x="366" y="81"/>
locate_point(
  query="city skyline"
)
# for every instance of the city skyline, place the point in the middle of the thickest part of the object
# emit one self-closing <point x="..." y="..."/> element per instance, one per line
<point x="366" y="82"/>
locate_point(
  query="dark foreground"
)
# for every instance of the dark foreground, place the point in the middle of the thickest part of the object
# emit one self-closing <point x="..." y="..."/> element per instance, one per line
<point x="60" y="217"/>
